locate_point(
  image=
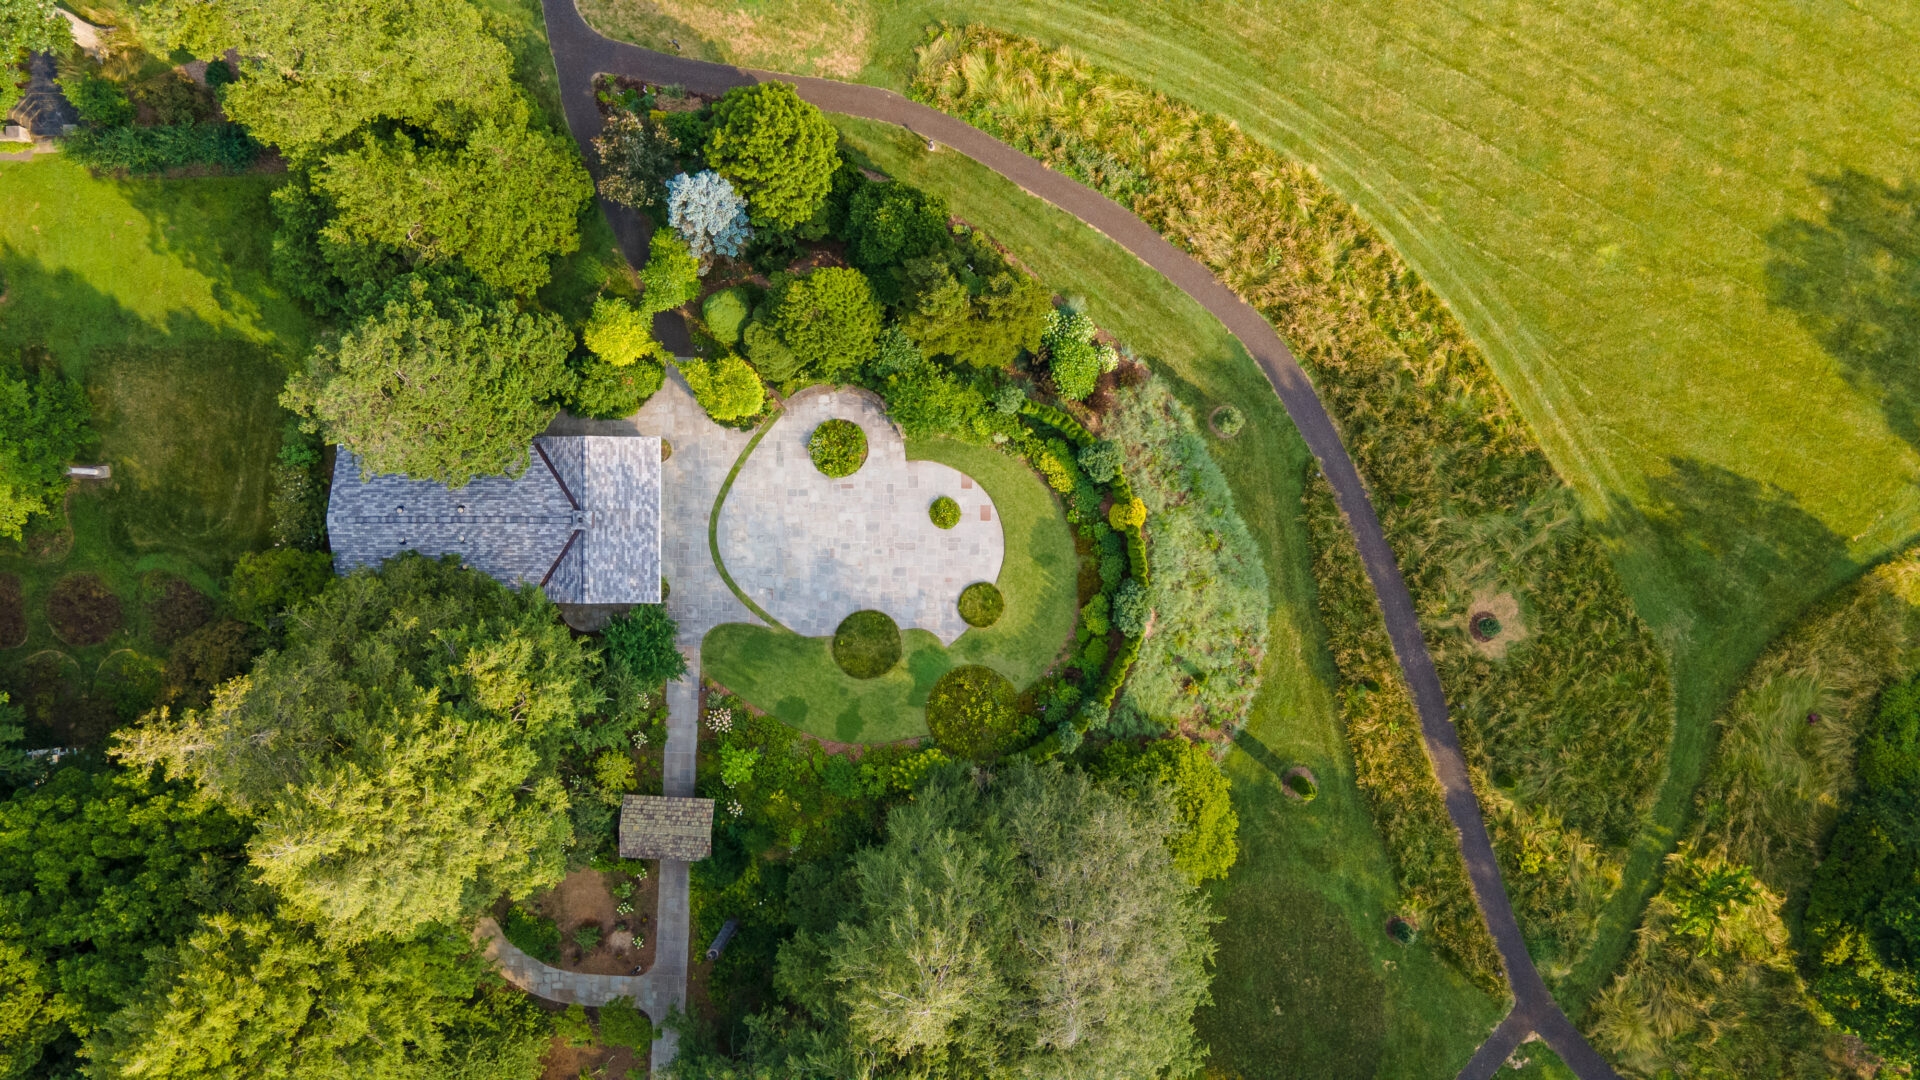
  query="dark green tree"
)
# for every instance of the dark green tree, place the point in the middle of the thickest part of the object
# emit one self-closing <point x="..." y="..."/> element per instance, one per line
<point x="779" y="152"/>
<point x="1863" y="912"/>
<point x="643" y="644"/>
<point x="398" y="757"/>
<point x="890" y="223"/>
<point x="43" y="424"/>
<point x="437" y="386"/>
<point x="98" y="867"/>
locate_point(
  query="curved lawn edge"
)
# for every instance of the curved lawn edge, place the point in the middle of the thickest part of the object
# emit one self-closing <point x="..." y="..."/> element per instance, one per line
<point x="713" y="525"/>
<point x="580" y="52"/>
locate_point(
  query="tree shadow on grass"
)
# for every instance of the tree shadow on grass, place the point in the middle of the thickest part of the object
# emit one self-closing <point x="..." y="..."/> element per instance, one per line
<point x="1852" y="278"/>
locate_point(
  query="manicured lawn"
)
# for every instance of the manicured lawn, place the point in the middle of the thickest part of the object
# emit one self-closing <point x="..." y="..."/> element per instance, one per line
<point x="795" y="677"/>
<point x="156" y="294"/>
<point x="1307" y="983"/>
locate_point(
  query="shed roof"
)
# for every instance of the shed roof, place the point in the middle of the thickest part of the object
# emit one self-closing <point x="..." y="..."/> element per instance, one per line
<point x="582" y="522"/>
<point x="657" y="827"/>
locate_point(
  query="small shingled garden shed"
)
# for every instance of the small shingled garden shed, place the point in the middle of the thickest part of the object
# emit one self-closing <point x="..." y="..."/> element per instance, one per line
<point x="657" y="827"/>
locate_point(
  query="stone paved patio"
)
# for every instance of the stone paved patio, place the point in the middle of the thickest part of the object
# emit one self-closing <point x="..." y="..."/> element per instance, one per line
<point x="812" y="550"/>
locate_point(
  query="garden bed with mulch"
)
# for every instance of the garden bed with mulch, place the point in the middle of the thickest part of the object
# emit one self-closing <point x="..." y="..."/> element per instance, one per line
<point x="83" y="611"/>
<point x="13" y="612"/>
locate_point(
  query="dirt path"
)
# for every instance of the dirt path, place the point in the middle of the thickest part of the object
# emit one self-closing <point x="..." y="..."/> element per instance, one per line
<point x="580" y="53"/>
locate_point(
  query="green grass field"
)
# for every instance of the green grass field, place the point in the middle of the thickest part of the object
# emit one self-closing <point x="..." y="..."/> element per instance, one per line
<point x="795" y="677"/>
<point x="1307" y="982"/>
<point x="156" y="295"/>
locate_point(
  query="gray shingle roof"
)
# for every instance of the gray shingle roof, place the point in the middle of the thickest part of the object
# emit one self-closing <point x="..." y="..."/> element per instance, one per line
<point x="583" y="521"/>
<point x="654" y="827"/>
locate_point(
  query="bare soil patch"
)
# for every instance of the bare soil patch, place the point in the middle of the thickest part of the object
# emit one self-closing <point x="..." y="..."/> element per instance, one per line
<point x="585" y="899"/>
<point x="565" y="1062"/>
<point x="13" y="612"/>
<point x="1492" y="623"/>
<point x="83" y="611"/>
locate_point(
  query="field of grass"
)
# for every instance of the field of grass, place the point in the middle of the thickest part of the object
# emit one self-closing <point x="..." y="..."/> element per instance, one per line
<point x="1307" y="982"/>
<point x="156" y="295"/>
<point x="795" y="677"/>
<point x="1637" y="210"/>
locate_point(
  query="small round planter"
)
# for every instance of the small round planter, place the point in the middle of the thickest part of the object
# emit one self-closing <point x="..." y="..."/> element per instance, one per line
<point x="1402" y="930"/>
<point x="1483" y="626"/>
<point x="837" y="448"/>
<point x="944" y="513"/>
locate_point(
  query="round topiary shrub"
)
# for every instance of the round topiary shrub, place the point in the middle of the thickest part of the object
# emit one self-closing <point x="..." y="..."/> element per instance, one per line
<point x="1227" y="421"/>
<point x="944" y="513"/>
<point x="973" y="713"/>
<point x="1402" y="931"/>
<point x="866" y="644"/>
<point x="1301" y="784"/>
<point x="725" y="314"/>
<point x="981" y="604"/>
<point x="838" y="448"/>
<point x="83" y="610"/>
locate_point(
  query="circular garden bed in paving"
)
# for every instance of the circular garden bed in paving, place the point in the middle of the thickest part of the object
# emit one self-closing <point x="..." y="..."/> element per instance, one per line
<point x="981" y="604"/>
<point x="838" y="448"/>
<point x="82" y="610"/>
<point x="866" y="645"/>
<point x="973" y="712"/>
<point x="944" y="513"/>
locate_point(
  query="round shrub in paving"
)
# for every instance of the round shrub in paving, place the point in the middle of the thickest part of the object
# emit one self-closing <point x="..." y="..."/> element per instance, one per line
<point x="973" y="713"/>
<point x="838" y="448"/>
<point x="981" y="604"/>
<point x="13" y="612"/>
<point x="866" y="644"/>
<point x="82" y="610"/>
<point x="944" y="513"/>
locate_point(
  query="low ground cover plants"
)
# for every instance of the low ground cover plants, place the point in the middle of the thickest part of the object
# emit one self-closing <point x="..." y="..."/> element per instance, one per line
<point x="1468" y="500"/>
<point x="837" y="448"/>
<point x="1748" y="955"/>
<point x="973" y="712"/>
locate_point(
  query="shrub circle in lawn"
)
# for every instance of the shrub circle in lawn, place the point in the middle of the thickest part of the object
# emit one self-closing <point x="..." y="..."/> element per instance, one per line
<point x="82" y="610"/>
<point x="944" y="513"/>
<point x="866" y="644"/>
<point x="973" y="713"/>
<point x="1484" y="626"/>
<point x="1402" y="930"/>
<point x="1300" y="784"/>
<point x="13" y="612"/>
<point x="1227" y="421"/>
<point x="838" y="448"/>
<point x="981" y="604"/>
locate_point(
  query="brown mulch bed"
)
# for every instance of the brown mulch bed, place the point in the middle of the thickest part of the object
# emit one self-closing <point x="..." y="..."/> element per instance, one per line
<point x="83" y="611"/>
<point x="13" y="612"/>
<point x="565" y="1062"/>
<point x="585" y="898"/>
<point x="175" y="609"/>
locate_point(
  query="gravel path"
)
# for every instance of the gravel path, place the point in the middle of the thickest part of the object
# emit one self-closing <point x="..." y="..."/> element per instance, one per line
<point x="580" y="53"/>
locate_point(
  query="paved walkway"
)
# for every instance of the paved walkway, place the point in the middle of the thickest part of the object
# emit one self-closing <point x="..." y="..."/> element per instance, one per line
<point x="580" y="52"/>
<point x="812" y="550"/>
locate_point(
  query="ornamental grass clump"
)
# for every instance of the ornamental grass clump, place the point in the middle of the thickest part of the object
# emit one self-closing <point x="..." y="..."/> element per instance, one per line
<point x="944" y="513"/>
<point x="838" y="448"/>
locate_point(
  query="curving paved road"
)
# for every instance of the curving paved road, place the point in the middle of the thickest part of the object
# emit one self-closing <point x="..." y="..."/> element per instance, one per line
<point x="580" y="52"/>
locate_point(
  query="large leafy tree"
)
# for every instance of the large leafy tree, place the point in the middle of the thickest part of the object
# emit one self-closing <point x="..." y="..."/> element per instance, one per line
<point x="503" y="202"/>
<point x="1033" y="925"/>
<point x="97" y="868"/>
<point x="252" y="996"/>
<point x="438" y="386"/>
<point x="1863" y="913"/>
<point x="318" y="71"/>
<point x="43" y="424"/>
<point x="778" y="150"/>
<point x="399" y="756"/>
<point x="828" y="319"/>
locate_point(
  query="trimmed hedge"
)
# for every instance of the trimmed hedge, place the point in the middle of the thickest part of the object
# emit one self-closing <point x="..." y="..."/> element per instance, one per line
<point x="147" y="151"/>
<point x="838" y="448"/>
<point x="866" y="644"/>
<point x="944" y="513"/>
<point x="981" y="604"/>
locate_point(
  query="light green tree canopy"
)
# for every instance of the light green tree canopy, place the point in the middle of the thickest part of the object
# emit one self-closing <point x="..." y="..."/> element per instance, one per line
<point x="437" y="386"/>
<point x="726" y="387"/>
<point x="398" y="758"/>
<point x="671" y="277"/>
<point x="1033" y="927"/>
<point x="43" y="424"/>
<point x="252" y="996"/>
<point x="619" y="334"/>
<point x="828" y="319"/>
<point x="503" y="202"/>
<point x="779" y="151"/>
<point x="318" y="71"/>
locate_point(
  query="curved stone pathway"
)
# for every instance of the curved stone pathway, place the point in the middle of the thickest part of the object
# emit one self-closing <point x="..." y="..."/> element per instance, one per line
<point x="811" y="550"/>
<point x="580" y="53"/>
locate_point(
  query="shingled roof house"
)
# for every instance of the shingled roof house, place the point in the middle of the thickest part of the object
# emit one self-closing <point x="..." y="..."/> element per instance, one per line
<point x="583" y="521"/>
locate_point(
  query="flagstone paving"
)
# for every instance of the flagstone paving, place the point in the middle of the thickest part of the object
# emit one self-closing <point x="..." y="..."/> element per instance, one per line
<point x="811" y="549"/>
